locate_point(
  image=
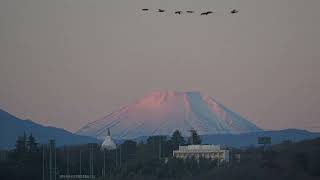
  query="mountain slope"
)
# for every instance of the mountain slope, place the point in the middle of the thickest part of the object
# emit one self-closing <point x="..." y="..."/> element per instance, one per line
<point x="11" y="127"/>
<point x="164" y="112"/>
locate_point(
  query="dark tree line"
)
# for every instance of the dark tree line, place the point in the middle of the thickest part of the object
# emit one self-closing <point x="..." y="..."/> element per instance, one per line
<point x="24" y="161"/>
<point x="26" y="144"/>
<point x="152" y="160"/>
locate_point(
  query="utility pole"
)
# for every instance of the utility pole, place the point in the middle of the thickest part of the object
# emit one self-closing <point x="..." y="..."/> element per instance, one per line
<point x="68" y="172"/>
<point x="104" y="164"/>
<point x="50" y="161"/>
<point x="80" y="168"/>
<point x="154" y="146"/>
<point x="52" y="165"/>
<point x="120" y="159"/>
<point x="91" y="146"/>
<point x="43" y="162"/>
<point x="116" y="157"/>
<point x="91" y="161"/>
<point x="55" y="164"/>
<point x="160" y="147"/>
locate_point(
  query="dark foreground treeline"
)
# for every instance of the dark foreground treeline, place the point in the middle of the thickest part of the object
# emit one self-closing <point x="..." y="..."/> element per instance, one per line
<point x="153" y="160"/>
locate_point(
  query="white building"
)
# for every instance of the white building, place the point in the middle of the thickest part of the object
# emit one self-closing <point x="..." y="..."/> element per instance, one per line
<point x="202" y="151"/>
<point x="108" y="143"/>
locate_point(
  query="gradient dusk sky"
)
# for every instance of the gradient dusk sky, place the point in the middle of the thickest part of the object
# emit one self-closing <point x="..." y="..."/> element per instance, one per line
<point x="67" y="62"/>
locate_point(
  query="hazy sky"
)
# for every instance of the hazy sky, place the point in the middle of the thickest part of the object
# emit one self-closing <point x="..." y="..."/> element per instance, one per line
<point x="67" y="62"/>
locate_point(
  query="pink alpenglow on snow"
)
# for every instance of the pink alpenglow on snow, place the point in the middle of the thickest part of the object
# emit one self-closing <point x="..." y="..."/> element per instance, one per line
<point x="161" y="113"/>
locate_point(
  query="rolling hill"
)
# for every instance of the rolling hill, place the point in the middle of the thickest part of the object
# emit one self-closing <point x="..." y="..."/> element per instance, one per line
<point x="11" y="127"/>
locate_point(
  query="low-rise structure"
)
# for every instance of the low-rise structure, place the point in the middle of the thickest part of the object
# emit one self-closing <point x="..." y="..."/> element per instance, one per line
<point x="214" y="152"/>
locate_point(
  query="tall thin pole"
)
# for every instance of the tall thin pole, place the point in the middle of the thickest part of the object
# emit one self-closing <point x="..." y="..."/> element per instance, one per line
<point x="67" y="161"/>
<point x="91" y="160"/>
<point x="120" y="159"/>
<point x="91" y="168"/>
<point x="154" y="150"/>
<point x="104" y="164"/>
<point x="55" y="163"/>
<point x="160" y="148"/>
<point x="116" y="157"/>
<point x="50" y="161"/>
<point x="43" y="162"/>
<point x="80" y="168"/>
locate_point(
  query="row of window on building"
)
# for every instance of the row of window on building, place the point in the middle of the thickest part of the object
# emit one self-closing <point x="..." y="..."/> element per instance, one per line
<point x="213" y="152"/>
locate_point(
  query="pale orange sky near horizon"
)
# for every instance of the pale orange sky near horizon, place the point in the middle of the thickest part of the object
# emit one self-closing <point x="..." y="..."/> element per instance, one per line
<point x="67" y="62"/>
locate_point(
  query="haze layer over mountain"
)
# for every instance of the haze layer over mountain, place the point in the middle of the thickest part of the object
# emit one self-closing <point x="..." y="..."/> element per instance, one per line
<point x="161" y="113"/>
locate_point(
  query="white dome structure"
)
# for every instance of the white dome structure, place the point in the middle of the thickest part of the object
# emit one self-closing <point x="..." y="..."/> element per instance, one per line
<point x="108" y="143"/>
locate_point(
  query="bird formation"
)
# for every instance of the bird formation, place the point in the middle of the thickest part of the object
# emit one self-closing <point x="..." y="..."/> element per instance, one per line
<point x="206" y="13"/>
<point x="233" y="11"/>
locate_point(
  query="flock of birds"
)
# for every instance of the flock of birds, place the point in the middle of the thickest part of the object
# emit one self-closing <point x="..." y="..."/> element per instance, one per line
<point x="233" y="11"/>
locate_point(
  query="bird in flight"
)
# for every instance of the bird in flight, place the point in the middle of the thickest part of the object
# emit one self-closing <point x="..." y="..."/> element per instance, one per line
<point x="190" y="11"/>
<point x="145" y="9"/>
<point x="178" y="12"/>
<point x="161" y="10"/>
<point x="234" y="11"/>
<point x="206" y="13"/>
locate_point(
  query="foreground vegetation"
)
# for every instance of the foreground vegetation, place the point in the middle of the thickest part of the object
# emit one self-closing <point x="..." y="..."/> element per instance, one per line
<point x="152" y="160"/>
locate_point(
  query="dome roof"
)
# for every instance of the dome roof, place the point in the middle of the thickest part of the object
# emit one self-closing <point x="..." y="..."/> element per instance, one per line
<point x="108" y="143"/>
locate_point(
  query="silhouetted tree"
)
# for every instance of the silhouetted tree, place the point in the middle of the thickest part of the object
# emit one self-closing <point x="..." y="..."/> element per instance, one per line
<point x="177" y="140"/>
<point x="32" y="145"/>
<point x="128" y="150"/>
<point x="194" y="137"/>
<point x="157" y="145"/>
<point x="21" y="145"/>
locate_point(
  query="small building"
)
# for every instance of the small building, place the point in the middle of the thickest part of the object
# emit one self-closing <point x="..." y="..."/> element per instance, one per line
<point x="214" y="152"/>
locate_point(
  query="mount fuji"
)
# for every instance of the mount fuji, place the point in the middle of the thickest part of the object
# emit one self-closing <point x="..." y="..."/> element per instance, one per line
<point x="161" y="113"/>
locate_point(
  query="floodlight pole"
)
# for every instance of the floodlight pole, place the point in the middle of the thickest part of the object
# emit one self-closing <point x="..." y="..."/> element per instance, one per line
<point x="80" y="168"/>
<point x="68" y="172"/>
<point x="120" y="157"/>
<point x="43" y="161"/>
<point x="50" y="161"/>
<point x="55" y="163"/>
<point x="159" y="147"/>
<point x="104" y="164"/>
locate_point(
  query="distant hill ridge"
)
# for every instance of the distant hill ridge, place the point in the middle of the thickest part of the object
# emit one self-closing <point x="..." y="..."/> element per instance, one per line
<point x="11" y="127"/>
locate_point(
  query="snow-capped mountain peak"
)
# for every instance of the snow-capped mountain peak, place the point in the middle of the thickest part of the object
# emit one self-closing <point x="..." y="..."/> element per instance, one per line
<point x="162" y="112"/>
